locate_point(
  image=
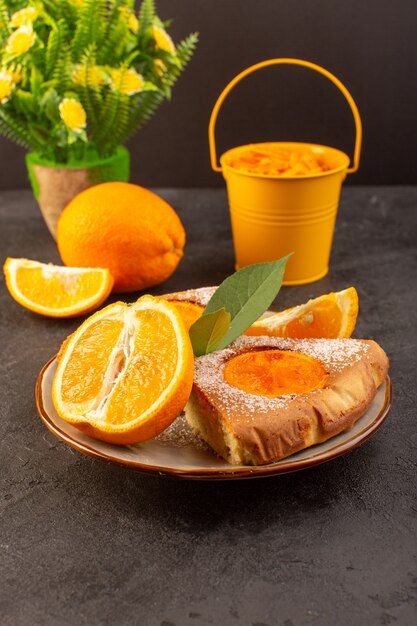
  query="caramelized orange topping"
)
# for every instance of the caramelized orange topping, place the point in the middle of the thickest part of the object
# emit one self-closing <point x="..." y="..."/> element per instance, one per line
<point x="274" y="373"/>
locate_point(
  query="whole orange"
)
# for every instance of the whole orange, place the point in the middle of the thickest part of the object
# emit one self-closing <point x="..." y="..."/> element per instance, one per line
<point x="126" y="228"/>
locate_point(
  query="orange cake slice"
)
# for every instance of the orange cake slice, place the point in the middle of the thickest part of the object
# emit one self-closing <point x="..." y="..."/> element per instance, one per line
<point x="264" y="398"/>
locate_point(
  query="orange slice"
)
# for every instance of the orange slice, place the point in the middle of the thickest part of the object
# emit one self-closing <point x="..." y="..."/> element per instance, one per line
<point x="269" y="159"/>
<point x="126" y="373"/>
<point x="56" y="291"/>
<point x="331" y="316"/>
<point x="189" y="312"/>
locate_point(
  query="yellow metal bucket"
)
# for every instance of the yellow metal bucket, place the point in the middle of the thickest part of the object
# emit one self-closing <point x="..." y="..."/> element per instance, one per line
<point x="272" y="216"/>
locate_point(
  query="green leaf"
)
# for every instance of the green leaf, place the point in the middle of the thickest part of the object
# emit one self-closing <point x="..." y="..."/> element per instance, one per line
<point x="246" y="295"/>
<point x="36" y="80"/>
<point x="4" y="21"/>
<point x="146" y="13"/>
<point x="26" y="102"/>
<point x="149" y="87"/>
<point x="208" y="331"/>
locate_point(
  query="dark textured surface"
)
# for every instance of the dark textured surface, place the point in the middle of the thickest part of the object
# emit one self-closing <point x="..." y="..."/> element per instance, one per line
<point x="85" y="543"/>
<point x="369" y="44"/>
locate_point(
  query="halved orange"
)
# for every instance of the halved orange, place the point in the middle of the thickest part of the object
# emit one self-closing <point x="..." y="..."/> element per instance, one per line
<point x="330" y="316"/>
<point x="126" y="373"/>
<point x="56" y="291"/>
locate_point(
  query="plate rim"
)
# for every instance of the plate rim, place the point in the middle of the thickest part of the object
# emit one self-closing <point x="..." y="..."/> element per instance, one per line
<point x="235" y="472"/>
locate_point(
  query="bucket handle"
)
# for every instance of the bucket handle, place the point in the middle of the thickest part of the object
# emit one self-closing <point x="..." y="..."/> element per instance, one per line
<point x="262" y="64"/>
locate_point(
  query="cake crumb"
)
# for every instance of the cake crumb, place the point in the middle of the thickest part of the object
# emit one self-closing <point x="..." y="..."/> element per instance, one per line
<point x="179" y="435"/>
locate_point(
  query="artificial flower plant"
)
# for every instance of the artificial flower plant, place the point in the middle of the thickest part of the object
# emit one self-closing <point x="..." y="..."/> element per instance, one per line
<point x="79" y="77"/>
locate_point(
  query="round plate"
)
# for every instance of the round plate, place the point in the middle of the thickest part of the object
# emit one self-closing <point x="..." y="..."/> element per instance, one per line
<point x="177" y="452"/>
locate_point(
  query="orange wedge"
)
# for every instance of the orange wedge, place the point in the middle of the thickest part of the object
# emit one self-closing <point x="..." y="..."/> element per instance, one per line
<point x="56" y="291"/>
<point x="189" y="312"/>
<point x="331" y="316"/>
<point x="126" y="373"/>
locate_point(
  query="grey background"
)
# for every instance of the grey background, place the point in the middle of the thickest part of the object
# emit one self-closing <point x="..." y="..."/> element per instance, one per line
<point x="84" y="543"/>
<point x="370" y="45"/>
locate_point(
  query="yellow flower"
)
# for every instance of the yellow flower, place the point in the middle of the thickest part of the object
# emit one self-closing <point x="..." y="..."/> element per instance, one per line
<point x="92" y="76"/>
<point x="20" y="41"/>
<point x="160" y="67"/>
<point x="133" y="22"/>
<point x="127" y="81"/>
<point x="163" y="40"/>
<point x="72" y="114"/>
<point x="14" y="71"/>
<point x="131" y="19"/>
<point x="6" y="86"/>
<point x="24" y="16"/>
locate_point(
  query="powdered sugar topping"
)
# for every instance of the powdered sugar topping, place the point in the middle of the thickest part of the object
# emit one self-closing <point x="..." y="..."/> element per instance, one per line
<point x="201" y="295"/>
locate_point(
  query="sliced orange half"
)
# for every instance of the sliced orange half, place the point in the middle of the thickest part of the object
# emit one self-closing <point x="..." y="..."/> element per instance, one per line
<point x="56" y="291"/>
<point x="331" y="316"/>
<point x="126" y="373"/>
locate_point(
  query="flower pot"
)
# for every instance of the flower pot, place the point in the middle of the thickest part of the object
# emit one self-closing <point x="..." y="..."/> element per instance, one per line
<point x="55" y="184"/>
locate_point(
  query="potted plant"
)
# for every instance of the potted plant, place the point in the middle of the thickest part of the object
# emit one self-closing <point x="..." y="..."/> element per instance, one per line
<point x="77" y="79"/>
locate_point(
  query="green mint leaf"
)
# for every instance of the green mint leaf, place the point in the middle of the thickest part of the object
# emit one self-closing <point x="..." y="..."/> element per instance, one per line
<point x="208" y="330"/>
<point x="246" y="295"/>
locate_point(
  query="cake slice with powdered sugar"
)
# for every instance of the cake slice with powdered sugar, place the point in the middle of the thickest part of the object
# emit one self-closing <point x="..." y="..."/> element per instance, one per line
<point x="340" y="378"/>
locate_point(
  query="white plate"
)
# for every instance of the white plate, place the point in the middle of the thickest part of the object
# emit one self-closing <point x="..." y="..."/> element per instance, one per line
<point x="177" y="452"/>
